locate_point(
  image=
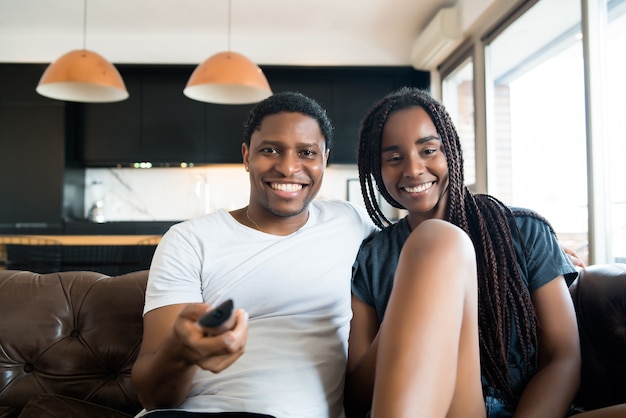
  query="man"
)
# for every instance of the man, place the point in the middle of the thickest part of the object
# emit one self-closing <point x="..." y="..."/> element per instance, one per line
<point x="284" y="259"/>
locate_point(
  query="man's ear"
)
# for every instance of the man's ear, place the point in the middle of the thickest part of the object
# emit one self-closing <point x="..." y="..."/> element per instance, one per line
<point x="245" y="152"/>
<point x="326" y="154"/>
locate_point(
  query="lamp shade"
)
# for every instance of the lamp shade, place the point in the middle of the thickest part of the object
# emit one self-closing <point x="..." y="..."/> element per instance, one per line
<point x="228" y="78"/>
<point x="82" y="76"/>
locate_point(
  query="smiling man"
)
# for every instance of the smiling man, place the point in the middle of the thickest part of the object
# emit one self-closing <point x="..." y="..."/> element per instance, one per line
<point x="285" y="260"/>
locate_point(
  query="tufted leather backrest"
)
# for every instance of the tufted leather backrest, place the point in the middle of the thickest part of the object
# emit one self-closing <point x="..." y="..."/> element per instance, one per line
<point x="599" y="295"/>
<point x="70" y="333"/>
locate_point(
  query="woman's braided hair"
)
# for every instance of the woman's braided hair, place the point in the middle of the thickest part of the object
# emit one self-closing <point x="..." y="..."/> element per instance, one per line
<point x="504" y="300"/>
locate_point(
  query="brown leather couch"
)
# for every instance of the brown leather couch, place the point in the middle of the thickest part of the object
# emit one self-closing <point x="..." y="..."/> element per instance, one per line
<point x="68" y="341"/>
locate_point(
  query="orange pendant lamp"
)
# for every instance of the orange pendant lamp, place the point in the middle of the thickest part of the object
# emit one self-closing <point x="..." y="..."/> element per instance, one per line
<point x="82" y="76"/>
<point x="228" y="78"/>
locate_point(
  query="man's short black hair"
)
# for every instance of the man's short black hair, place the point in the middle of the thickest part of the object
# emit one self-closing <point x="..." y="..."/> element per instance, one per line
<point x="288" y="101"/>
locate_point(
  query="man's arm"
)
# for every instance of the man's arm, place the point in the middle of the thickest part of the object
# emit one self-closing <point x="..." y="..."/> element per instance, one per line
<point x="174" y="345"/>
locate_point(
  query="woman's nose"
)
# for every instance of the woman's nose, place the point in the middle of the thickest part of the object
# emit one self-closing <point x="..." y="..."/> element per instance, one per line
<point x="414" y="167"/>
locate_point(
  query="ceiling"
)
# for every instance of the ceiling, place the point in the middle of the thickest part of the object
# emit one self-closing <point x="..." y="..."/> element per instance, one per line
<point x="270" y="32"/>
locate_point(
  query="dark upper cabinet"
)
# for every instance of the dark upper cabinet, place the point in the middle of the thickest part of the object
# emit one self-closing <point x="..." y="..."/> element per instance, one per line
<point x="32" y="153"/>
<point x="172" y="124"/>
<point x="111" y="132"/>
<point x="32" y="144"/>
<point x="160" y="125"/>
<point x="352" y="99"/>
<point x="31" y="173"/>
<point x="18" y="83"/>
<point x="157" y="123"/>
<point x="224" y="132"/>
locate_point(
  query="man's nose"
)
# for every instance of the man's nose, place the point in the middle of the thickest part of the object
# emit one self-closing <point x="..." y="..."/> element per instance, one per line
<point x="288" y="164"/>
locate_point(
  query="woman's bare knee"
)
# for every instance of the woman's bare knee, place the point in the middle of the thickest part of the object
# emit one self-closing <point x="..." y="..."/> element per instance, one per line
<point x="437" y="244"/>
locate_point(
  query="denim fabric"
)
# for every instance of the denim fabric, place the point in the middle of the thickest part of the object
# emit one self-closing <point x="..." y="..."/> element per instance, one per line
<point x="496" y="408"/>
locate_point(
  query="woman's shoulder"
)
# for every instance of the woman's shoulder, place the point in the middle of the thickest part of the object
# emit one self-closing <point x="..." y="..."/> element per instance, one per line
<point x="529" y="219"/>
<point x="397" y="232"/>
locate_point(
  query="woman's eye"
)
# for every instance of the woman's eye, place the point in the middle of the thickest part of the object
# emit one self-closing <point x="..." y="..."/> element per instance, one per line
<point x="430" y="151"/>
<point x="393" y="158"/>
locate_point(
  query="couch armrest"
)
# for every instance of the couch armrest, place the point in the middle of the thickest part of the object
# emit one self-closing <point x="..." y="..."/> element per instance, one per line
<point x="74" y="334"/>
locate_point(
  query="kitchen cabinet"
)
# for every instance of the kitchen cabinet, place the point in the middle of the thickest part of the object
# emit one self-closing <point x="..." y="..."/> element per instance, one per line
<point x="161" y="125"/>
<point x="224" y="132"/>
<point x="32" y="149"/>
<point x="352" y="98"/>
<point x="111" y="132"/>
<point x="172" y="124"/>
<point x="157" y="123"/>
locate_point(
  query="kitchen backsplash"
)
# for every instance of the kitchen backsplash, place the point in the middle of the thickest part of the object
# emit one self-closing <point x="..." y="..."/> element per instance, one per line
<point x="164" y="194"/>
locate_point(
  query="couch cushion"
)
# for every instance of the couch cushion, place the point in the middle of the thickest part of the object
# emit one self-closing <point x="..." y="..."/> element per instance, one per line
<point x="54" y="406"/>
<point x="75" y="334"/>
<point x="8" y="412"/>
<point x="599" y="295"/>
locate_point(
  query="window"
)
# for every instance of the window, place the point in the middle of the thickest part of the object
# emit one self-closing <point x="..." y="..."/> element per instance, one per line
<point x="536" y="134"/>
<point x="616" y="130"/>
<point x="458" y="97"/>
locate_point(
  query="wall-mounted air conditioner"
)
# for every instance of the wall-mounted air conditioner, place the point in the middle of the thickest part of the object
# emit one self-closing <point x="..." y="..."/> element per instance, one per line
<point x="442" y="34"/>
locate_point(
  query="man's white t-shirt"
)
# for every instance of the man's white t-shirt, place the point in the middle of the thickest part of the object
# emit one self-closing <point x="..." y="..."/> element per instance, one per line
<point x="296" y="290"/>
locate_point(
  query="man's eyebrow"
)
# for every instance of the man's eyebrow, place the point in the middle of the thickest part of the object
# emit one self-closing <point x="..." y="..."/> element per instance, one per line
<point x="279" y="143"/>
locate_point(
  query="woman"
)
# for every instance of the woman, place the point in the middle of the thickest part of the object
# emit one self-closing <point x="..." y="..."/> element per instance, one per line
<point x="460" y="308"/>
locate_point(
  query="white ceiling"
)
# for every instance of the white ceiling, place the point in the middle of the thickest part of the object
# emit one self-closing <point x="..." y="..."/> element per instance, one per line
<point x="270" y="32"/>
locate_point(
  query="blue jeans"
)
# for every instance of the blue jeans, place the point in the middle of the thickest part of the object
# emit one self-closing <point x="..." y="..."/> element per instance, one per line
<point x="496" y="408"/>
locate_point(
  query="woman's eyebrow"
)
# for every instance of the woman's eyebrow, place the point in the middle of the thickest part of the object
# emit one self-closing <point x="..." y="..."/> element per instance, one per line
<point x="419" y="141"/>
<point x="427" y="139"/>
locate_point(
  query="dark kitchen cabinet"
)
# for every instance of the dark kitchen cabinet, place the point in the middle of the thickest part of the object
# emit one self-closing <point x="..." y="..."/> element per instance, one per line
<point x="110" y="133"/>
<point x="157" y="123"/>
<point x="32" y="168"/>
<point x="172" y="124"/>
<point x="160" y="125"/>
<point x="32" y="153"/>
<point x="352" y="98"/>
<point x="224" y="132"/>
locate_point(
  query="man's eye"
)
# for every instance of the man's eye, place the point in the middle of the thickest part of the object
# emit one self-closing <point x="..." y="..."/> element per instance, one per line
<point x="268" y="150"/>
<point x="309" y="153"/>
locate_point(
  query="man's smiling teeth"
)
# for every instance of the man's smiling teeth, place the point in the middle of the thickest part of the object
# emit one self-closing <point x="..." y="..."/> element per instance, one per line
<point x="286" y="187"/>
<point x="419" y="188"/>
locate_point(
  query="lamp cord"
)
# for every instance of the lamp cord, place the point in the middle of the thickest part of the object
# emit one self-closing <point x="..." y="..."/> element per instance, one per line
<point x="85" y="24"/>
<point x="229" y="22"/>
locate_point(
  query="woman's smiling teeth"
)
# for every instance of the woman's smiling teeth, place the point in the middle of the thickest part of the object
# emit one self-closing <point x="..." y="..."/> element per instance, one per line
<point x="286" y="187"/>
<point x="419" y="188"/>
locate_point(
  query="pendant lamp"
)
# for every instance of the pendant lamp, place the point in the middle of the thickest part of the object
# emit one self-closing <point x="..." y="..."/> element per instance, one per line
<point x="82" y="76"/>
<point x="228" y="78"/>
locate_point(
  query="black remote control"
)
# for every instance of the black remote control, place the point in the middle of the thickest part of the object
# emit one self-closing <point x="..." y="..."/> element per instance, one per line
<point x="219" y="319"/>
